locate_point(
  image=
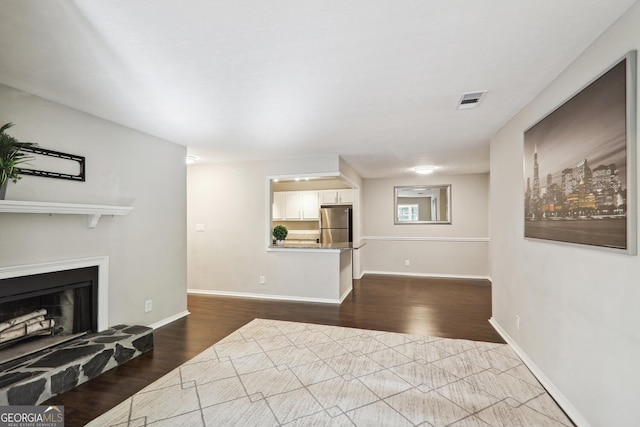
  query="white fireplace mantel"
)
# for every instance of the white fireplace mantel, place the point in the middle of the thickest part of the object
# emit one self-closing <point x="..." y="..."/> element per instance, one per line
<point x="93" y="212"/>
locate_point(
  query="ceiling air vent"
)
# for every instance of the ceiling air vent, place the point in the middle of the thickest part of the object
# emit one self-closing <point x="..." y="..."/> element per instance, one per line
<point x="470" y="99"/>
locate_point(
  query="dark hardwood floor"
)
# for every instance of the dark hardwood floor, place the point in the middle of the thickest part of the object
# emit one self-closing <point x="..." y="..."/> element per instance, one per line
<point x="452" y="308"/>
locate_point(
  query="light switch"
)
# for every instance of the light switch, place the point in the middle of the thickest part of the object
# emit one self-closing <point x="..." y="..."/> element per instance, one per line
<point x="200" y="227"/>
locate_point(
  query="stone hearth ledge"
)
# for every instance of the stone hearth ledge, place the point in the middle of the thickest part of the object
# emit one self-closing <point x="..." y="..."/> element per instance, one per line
<point x="35" y="378"/>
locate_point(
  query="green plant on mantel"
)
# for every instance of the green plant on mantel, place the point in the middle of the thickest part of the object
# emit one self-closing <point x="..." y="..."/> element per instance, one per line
<point x="280" y="232"/>
<point x="11" y="156"/>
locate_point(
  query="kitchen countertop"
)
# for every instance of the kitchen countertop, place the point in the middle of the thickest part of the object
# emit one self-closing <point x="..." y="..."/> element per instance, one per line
<point x="321" y="246"/>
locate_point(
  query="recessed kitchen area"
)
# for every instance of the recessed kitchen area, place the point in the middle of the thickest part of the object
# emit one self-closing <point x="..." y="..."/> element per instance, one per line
<point x="316" y="211"/>
<point x="321" y="216"/>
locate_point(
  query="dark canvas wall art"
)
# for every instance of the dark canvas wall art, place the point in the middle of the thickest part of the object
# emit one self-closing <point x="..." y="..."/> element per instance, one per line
<point x="579" y="165"/>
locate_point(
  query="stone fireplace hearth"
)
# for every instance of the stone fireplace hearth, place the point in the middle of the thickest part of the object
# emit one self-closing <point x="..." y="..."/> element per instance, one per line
<point x="37" y="377"/>
<point x="75" y="294"/>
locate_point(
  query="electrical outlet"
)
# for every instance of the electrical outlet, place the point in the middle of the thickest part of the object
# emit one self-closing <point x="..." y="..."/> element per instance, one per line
<point x="517" y="322"/>
<point x="200" y="228"/>
<point x="148" y="306"/>
<point x="406" y="263"/>
<point x="263" y="280"/>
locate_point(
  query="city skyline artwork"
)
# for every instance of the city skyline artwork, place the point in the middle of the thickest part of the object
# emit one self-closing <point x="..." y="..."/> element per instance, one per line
<point x="576" y="166"/>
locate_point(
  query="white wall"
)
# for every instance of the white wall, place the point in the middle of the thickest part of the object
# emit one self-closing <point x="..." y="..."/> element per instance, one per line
<point x="146" y="249"/>
<point x="459" y="249"/>
<point x="231" y="200"/>
<point x="578" y="306"/>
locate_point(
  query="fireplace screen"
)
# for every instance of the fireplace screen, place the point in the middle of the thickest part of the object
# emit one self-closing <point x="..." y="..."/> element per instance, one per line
<point x="58" y="303"/>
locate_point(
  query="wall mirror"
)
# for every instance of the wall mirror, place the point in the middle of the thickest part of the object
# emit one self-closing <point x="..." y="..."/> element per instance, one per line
<point x="423" y="204"/>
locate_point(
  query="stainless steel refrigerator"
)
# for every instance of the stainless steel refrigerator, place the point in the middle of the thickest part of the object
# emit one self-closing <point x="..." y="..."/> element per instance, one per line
<point x="335" y="224"/>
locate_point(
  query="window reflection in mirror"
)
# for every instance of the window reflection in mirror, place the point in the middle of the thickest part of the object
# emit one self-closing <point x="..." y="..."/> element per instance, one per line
<point x="423" y="204"/>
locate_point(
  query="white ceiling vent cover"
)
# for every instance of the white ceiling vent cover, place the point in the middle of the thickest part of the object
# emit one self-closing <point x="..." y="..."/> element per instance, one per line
<point x="470" y="99"/>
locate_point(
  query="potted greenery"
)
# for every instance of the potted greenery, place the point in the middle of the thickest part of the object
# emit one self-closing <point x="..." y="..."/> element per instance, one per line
<point x="280" y="233"/>
<point x="11" y="155"/>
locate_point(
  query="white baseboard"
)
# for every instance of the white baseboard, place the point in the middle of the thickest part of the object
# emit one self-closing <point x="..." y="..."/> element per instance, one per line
<point x="346" y="294"/>
<point x="441" y="276"/>
<point x="428" y="239"/>
<point x="169" y="319"/>
<point x="265" y="296"/>
<point x="557" y="395"/>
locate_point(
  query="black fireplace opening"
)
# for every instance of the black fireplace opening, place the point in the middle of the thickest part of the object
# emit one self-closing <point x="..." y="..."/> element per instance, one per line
<point x="68" y="298"/>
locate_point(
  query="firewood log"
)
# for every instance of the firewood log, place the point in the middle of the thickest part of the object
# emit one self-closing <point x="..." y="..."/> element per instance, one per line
<point x="26" y="330"/>
<point x="12" y="322"/>
<point x="22" y="324"/>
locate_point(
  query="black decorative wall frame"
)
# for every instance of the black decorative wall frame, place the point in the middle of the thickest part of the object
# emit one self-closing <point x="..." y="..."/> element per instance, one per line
<point x="51" y="174"/>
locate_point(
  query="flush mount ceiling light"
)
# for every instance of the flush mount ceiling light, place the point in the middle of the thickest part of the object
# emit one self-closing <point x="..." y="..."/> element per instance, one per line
<point x="190" y="160"/>
<point x="471" y="99"/>
<point x="423" y="170"/>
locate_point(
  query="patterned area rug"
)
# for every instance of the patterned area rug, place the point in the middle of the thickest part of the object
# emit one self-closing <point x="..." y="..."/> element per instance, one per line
<point x="273" y="373"/>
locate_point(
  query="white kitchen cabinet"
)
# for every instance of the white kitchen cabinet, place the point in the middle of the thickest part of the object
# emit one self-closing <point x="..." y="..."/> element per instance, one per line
<point x="278" y="207"/>
<point x="336" y="197"/>
<point x="293" y="204"/>
<point x="310" y="205"/>
<point x="328" y="197"/>
<point x="345" y="196"/>
<point x="296" y="205"/>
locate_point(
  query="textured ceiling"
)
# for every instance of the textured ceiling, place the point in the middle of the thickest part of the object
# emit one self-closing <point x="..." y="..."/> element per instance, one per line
<point x="374" y="81"/>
